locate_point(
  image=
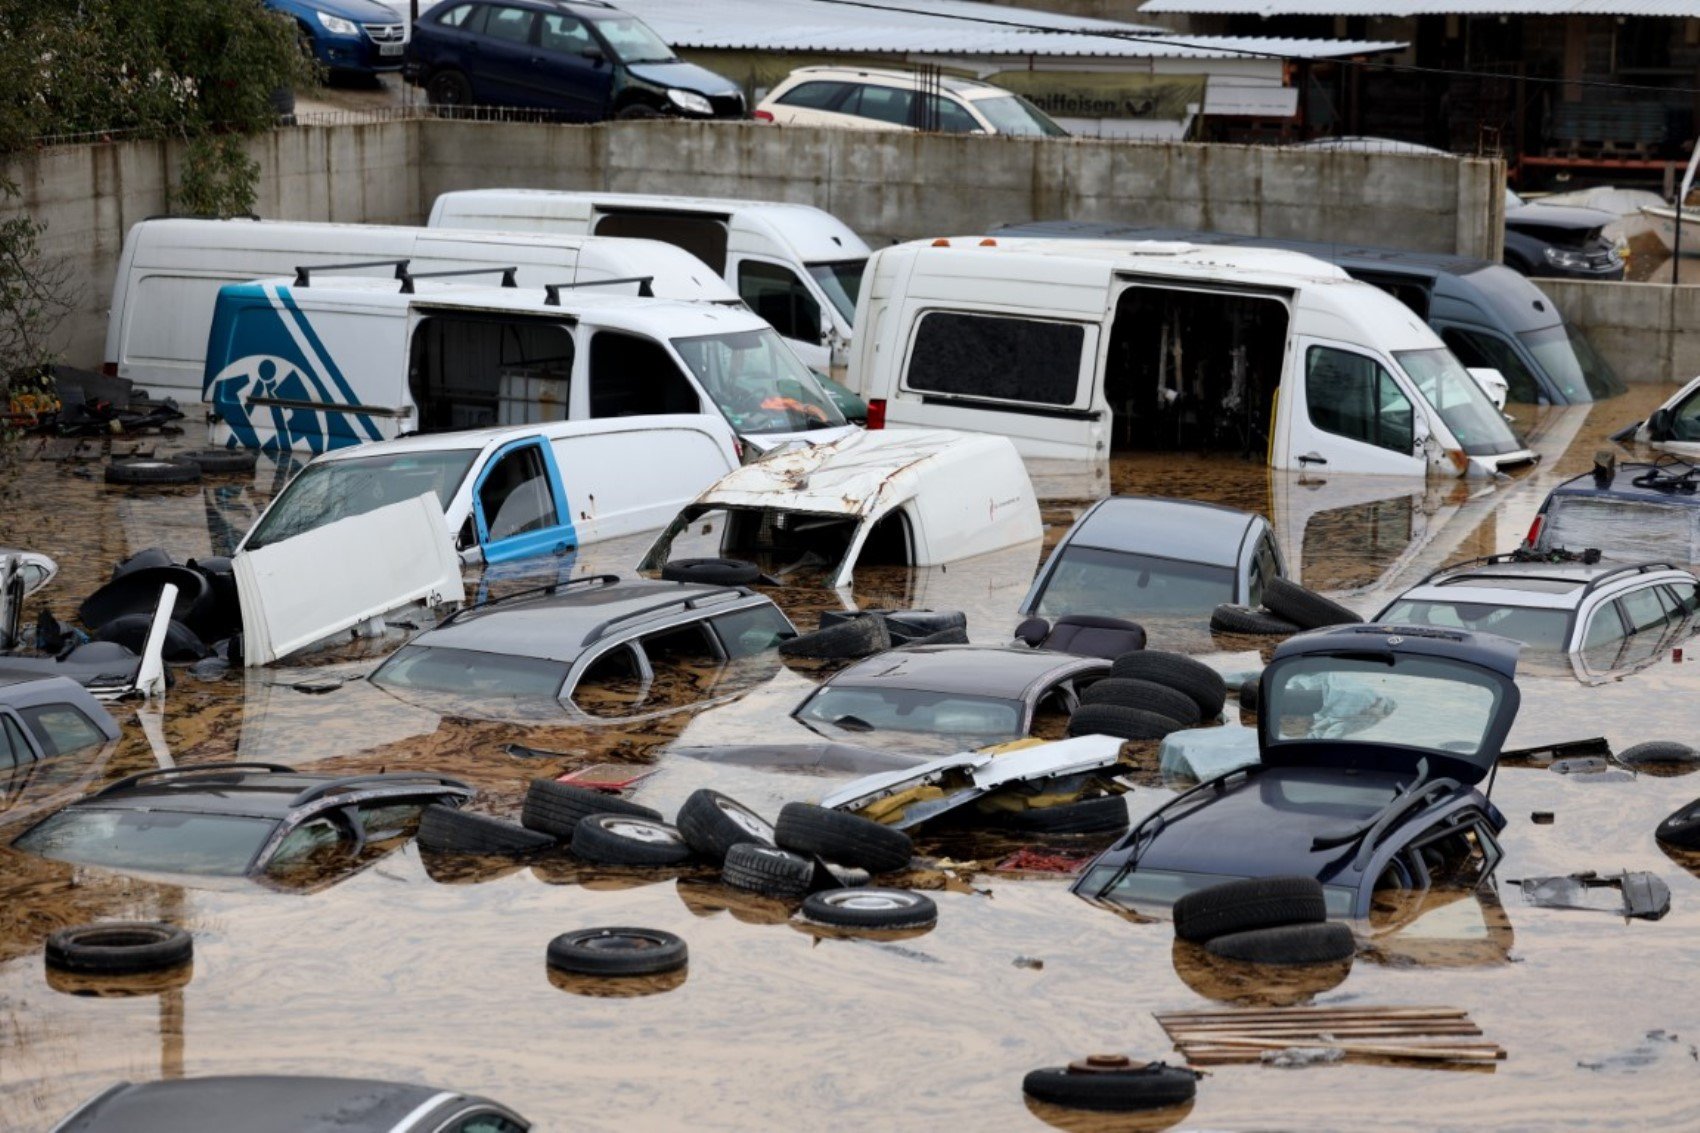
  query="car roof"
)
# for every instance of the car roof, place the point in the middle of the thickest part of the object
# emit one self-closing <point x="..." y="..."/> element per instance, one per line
<point x="245" y="790"/>
<point x="1537" y="585"/>
<point x="1001" y="672"/>
<point x="1173" y="529"/>
<point x="255" y="1104"/>
<point x="1623" y="486"/>
<point x="1490" y="651"/>
<point x="477" y="440"/>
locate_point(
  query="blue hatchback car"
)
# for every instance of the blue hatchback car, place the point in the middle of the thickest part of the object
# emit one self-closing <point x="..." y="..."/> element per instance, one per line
<point x="583" y="60"/>
<point x="361" y="36"/>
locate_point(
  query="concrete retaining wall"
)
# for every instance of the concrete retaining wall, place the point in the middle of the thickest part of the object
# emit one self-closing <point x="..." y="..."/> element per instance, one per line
<point x="1649" y="332"/>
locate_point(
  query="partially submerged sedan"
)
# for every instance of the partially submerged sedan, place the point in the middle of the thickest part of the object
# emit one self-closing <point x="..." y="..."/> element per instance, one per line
<point x="1372" y="743"/>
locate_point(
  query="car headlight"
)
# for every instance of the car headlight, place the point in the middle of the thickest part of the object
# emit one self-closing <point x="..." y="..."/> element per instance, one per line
<point x="1566" y="258"/>
<point x="338" y="26"/>
<point x="690" y="100"/>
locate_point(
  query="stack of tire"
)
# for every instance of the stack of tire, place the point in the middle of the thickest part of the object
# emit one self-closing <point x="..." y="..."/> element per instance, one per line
<point x="1287" y="608"/>
<point x="183" y="468"/>
<point x="207" y="609"/>
<point x="1264" y="920"/>
<point x="1147" y="695"/>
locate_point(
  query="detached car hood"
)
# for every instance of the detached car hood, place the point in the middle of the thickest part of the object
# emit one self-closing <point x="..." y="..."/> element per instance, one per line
<point x="685" y="76"/>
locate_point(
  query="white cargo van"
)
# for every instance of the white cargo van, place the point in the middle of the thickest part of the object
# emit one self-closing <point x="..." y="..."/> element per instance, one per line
<point x="327" y="359"/>
<point x="171" y="269"/>
<point x="796" y="266"/>
<point x="1077" y="348"/>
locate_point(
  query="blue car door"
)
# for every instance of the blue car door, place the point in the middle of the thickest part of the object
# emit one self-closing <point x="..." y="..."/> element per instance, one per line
<point x="501" y="74"/>
<point x="571" y="72"/>
<point x="519" y="508"/>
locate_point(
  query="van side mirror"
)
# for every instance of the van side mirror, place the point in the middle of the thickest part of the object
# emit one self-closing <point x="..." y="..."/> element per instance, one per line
<point x="467" y="538"/>
<point x="1658" y="425"/>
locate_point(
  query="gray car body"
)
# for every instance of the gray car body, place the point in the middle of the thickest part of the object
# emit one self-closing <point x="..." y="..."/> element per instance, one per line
<point x="20" y="692"/>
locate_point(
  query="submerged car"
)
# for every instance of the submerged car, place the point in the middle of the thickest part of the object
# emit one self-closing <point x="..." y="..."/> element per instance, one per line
<point x="974" y="695"/>
<point x="1634" y="512"/>
<point x="1372" y="744"/>
<point x="1673" y="427"/>
<point x="1130" y="556"/>
<point x="262" y="821"/>
<point x="42" y="717"/>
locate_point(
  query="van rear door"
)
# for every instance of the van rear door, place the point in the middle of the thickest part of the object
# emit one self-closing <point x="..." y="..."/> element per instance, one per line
<point x="1344" y="410"/>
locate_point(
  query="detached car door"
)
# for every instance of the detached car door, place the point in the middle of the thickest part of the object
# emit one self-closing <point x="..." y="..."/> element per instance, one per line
<point x="518" y="506"/>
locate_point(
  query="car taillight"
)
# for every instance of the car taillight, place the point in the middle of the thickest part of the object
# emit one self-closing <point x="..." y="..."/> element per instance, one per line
<point x="876" y="413"/>
<point x="109" y="369"/>
<point x="763" y="116"/>
<point x="1534" y="530"/>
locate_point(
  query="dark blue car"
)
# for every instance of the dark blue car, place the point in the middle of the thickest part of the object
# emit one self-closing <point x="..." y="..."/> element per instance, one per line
<point x="583" y="61"/>
<point x="359" y="36"/>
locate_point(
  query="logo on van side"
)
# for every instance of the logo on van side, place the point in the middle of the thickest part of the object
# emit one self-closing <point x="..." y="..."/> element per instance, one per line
<point x="277" y="382"/>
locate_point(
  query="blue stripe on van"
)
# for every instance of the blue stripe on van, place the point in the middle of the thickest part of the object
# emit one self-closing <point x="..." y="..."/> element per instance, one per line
<point x="331" y="370"/>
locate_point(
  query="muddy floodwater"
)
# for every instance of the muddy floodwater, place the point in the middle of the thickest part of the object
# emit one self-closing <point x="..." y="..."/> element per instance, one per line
<point x="403" y="966"/>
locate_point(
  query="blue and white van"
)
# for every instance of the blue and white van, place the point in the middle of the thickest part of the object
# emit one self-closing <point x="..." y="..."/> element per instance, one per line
<point x="326" y="360"/>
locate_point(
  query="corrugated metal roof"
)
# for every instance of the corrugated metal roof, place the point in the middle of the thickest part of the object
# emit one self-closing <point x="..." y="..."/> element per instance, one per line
<point x="1406" y="8"/>
<point x="949" y="28"/>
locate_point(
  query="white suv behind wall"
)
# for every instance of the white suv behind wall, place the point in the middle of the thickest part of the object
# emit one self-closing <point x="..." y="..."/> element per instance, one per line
<point x="901" y="100"/>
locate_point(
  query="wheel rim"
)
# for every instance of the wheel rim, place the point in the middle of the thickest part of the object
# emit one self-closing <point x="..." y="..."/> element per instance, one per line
<point x="640" y="831"/>
<point x="872" y="902"/>
<point x="748" y="820"/>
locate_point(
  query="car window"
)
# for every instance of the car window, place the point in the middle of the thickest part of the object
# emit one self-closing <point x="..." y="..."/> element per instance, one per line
<point x="983" y="719"/>
<point x="510" y="24"/>
<point x="59" y="728"/>
<point x="515" y="496"/>
<point x="883" y="104"/>
<point x="1685" y="419"/>
<point x="1353" y="396"/>
<point x="631" y="376"/>
<point x="1479" y="349"/>
<point x="472" y="672"/>
<point x="1605" y="626"/>
<point x="312" y="838"/>
<point x="814" y="96"/>
<point x="1685" y="597"/>
<point x="1643" y="610"/>
<point x="1009" y="114"/>
<point x="14" y="748"/>
<point x="1012" y="359"/>
<point x="776" y="294"/>
<point x="633" y="41"/>
<point x="1119" y="584"/>
<point x="566" y="35"/>
<point x="153" y="841"/>
<point x="389" y="819"/>
<point x="456" y="17"/>
<point x="744" y="633"/>
<point x="1265" y="565"/>
<point x="485" y="1123"/>
<point x="1537" y="628"/>
<point x="946" y="115"/>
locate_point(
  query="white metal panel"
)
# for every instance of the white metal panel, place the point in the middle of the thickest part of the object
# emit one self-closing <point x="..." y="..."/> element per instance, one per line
<point x="302" y="590"/>
<point x="1400" y="9"/>
<point x="621" y="481"/>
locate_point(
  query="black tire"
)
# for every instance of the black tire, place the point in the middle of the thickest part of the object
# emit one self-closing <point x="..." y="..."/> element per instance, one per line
<point x="1152" y="1086"/>
<point x="638" y="112"/>
<point x="1228" y="618"/>
<point x="119" y="946"/>
<point x="1659" y="753"/>
<point x="152" y="472"/>
<point x="767" y="870"/>
<point x="1255" y="903"/>
<point x="625" y="839"/>
<point x="1681" y="829"/>
<point x="848" y="839"/>
<point x="557" y="808"/>
<point x="449" y="89"/>
<point x="712" y="823"/>
<point x="1123" y="723"/>
<point x="714" y="572"/>
<point x="617" y="952"/>
<point x="1093" y="816"/>
<point x="1130" y="692"/>
<point x="221" y="461"/>
<point x="182" y="644"/>
<point x="1326" y="943"/>
<point x="445" y="830"/>
<point x="1305" y="608"/>
<point x="858" y="637"/>
<point x="137" y="592"/>
<point x="142" y="560"/>
<point x="1177" y="671"/>
<point x="870" y="908"/>
<point x="1248" y="693"/>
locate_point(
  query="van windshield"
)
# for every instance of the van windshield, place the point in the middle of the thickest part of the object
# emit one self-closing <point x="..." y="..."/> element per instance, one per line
<point x="1566" y="354"/>
<point x="327" y="491"/>
<point x="1446" y="385"/>
<point x="758" y="382"/>
<point x="842" y="282"/>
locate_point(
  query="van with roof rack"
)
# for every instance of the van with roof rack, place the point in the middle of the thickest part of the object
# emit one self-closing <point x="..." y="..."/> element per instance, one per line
<point x="329" y="359"/>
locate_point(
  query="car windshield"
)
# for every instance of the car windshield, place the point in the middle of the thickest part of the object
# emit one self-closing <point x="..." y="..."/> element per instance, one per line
<point x="330" y="490"/>
<point x="1009" y="114"/>
<point x="1565" y="353"/>
<point x="1537" y="628"/>
<point x="977" y="720"/>
<point x="1446" y="385"/>
<point x="1412" y="702"/>
<point x="151" y="841"/>
<point x="1122" y="585"/>
<point x="471" y="673"/>
<point x="633" y="42"/>
<point x="842" y="282"/>
<point x="1159" y="888"/>
<point x="758" y="382"/>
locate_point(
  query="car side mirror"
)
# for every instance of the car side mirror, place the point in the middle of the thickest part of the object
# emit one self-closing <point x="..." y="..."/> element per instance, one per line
<point x="1658" y="425"/>
<point x="595" y="57"/>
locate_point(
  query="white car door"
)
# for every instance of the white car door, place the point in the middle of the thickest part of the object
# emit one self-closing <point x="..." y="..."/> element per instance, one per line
<point x="1344" y="410"/>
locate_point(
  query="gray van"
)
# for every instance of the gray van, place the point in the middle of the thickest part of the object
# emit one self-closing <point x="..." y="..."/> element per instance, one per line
<point x="1487" y="314"/>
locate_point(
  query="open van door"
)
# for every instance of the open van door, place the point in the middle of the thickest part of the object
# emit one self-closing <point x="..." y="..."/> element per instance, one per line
<point x="1343" y="410"/>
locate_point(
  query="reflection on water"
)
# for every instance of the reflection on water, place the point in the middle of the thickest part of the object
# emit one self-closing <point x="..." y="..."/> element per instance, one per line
<point x="428" y="967"/>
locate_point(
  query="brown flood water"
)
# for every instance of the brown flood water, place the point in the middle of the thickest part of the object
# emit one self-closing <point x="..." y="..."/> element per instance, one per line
<point x="422" y="969"/>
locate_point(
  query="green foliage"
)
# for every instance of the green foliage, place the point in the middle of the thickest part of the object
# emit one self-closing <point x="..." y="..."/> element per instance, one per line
<point x="34" y="298"/>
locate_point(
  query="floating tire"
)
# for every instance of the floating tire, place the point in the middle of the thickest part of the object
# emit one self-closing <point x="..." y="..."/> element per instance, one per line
<point x="1681" y="829"/>
<point x="872" y="908"/>
<point x="1242" y="906"/>
<point x="1179" y="672"/>
<point x="1228" y="618"/>
<point x="627" y="839"/>
<point x="118" y="947"/>
<point x="1121" y="722"/>
<point x="1659" y="753"/>
<point x="446" y="830"/>
<point x="1119" y="1090"/>
<point x="220" y="461"/>
<point x="848" y="839"/>
<point x="142" y="471"/>
<point x="1326" y="943"/>
<point x="617" y="951"/>
<point x="1133" y="692"/>
<point x="1305" y="608"/>
<point x="1248" y="693"/>
<point x="712" y="823"/>
<point x="1093" y="816"/>
<point x="767" y="870"/>
<point x="840" y="641"/>
<point x="557" y="808"/>
<point x="182" y="644"/>
<point x="717" y="572"/>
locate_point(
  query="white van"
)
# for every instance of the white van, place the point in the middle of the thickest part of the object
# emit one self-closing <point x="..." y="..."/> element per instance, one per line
<point x="171" y="269"/>
<point x="796" y="266"/>
<point x="1077" y="348"/>
<point x="327" y="359"/>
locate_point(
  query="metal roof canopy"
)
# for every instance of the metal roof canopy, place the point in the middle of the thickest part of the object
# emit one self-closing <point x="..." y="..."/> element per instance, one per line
<point x="1405" y="9"/>
<point x="951" y="28"/>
